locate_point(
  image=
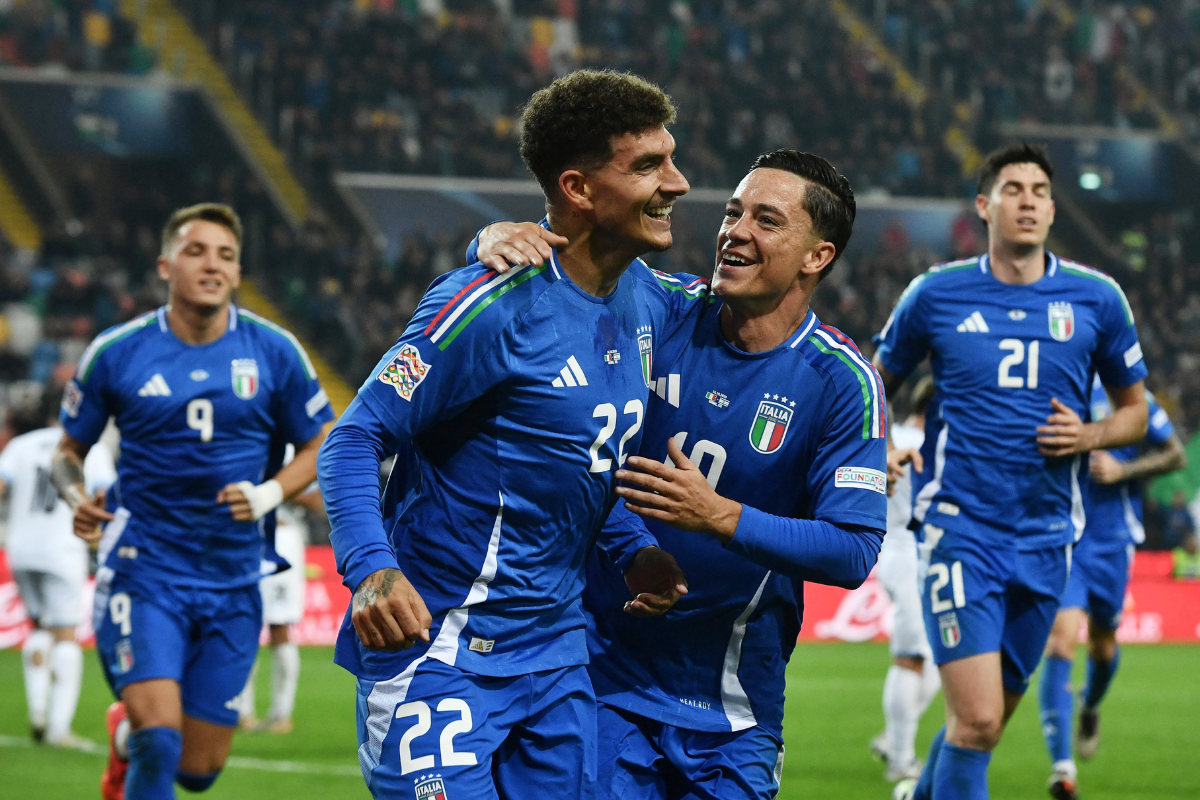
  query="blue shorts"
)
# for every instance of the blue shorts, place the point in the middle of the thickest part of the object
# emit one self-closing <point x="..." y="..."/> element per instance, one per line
<point x="205" y="640"/>
<point x="979" y="598"/>
<point x="1097" y="583"/>
<point x="437" y="731"/>
<point x="643" y="759"/>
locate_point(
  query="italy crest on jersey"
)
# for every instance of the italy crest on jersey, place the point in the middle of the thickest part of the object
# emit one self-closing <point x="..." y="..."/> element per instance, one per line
<point x="770" y="426"/>
<point x="430" y="788"/>
<point x="646" y="351"/>
<point x="1062" y="321"/>
<point x="245" y="377"/>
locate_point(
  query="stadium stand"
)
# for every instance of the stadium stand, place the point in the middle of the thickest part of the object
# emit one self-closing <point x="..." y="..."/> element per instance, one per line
<point x="435" y="88"/>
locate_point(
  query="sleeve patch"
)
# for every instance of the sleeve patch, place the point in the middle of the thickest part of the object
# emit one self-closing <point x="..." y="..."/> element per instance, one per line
<point x="1160" y="419"/>
<point x="316" y="403"/>
<point x="1133" y="354"/>
<point x="405" y="371"/>
<point x="860" y="478"/>
<point x="72" y="399"/>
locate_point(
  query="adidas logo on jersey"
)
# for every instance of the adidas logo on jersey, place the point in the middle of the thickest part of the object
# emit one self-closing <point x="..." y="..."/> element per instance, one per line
<point x="667" y="387"/>
<point x="155" y="387"/>
<point x="570" y="375"/>
<point x="973" y="324"/>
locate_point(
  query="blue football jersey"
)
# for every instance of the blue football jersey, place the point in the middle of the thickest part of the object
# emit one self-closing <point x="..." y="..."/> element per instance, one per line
<point x="523" y="395"/>
<point x="999" y="353"/>
<point x="795" y="432"/>
<point x="1114" y="511"/>
<point x="193" y="419"/>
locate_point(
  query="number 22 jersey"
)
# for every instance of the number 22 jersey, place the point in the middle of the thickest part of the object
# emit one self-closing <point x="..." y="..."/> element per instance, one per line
<point x="193" y="419"/>
<point x="1000" y="352"/>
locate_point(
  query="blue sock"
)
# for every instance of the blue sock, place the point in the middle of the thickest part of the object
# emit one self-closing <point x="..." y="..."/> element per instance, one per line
<point x="1058" y="707"/>
<point x="961" y="774"/>
<point x="153" y="759"/>
<point x="195" y="783"/>
<point x="1099" y="676"/>
<point x="924" y="789"/>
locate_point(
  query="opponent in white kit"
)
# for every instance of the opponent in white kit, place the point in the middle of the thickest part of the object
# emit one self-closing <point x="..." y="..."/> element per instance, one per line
<point x="912" y="681"/>
<point x="50" y="566"/>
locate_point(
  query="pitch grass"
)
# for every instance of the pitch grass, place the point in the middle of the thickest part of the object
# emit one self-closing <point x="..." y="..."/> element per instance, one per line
<point x="1149" y="750"/>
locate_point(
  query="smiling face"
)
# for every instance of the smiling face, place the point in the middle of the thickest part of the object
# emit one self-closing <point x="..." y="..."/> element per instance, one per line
<point x="630" y="197"/>
<point x="201" y="266"/>
<point x="1019" y="210"/>
<point x="767" y="247"/>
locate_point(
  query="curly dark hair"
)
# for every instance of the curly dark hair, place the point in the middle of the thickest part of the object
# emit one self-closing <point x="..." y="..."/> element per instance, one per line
<point x="828" y="198"/>
<point x="571" y="122"/>
<point x="1023" y="153"/>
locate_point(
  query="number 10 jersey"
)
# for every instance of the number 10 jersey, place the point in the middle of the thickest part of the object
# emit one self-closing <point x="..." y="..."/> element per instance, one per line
<point x="1000" y="352"/>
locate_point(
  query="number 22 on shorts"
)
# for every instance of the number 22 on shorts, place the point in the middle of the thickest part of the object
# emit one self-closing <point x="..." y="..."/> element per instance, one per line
<point x="450" y="757"/>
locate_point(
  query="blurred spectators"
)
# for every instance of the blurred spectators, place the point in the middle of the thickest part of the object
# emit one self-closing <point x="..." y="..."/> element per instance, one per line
<point x="74" y="35"/>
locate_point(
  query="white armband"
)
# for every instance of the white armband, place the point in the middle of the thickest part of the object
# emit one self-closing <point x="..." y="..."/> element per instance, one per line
<point x="264" y="498"/>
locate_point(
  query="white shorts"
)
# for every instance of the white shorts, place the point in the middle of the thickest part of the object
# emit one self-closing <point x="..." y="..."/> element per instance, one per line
<point x="51" y="601"/>
<point x="897" y="570"/>
<point x="283" y="594"/>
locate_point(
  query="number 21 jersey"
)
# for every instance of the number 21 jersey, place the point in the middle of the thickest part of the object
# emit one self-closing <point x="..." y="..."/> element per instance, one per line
<point x="1000" y="352"/>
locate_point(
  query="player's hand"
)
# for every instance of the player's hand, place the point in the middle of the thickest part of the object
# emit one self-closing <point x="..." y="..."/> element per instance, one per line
<point x="388" y="612"/>
<point x="506" y="245"/>
<point x="1104" y="468"/>
<point x="239" y="504"/>
<point x="656" y="582"/>
<point x="89" y="516"/>
<point x="896" y="460"/>
<point x="1064" y="433"/>
<point x="679" y="496"/>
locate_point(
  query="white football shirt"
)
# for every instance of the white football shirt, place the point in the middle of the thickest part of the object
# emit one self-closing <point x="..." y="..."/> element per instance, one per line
<point x="39" y="522"/>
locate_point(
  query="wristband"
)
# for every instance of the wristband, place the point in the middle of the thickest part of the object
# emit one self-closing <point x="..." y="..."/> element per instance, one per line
<point x="74" y="497"/>
<point x="264" y="498"/>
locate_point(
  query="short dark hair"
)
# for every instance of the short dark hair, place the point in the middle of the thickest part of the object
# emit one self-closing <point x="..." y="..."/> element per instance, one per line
<point x="828" y="198"/>
<point x="217" y="213"/>
<point x="571" y="122"/>
<point x="998" y="159"/>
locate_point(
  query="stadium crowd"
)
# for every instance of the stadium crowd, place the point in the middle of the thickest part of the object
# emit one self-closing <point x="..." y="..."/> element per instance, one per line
<point x="435" y="87"/>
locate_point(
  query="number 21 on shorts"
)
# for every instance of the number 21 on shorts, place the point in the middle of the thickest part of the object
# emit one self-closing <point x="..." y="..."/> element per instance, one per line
<point x="942" y="575"/>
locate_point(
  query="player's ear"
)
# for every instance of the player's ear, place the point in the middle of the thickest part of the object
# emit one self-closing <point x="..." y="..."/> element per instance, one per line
<point x="818" y="258"/>
<point x="164" y="268"/>
<point x="573" y="185"/>
<point x="981" y="207"/>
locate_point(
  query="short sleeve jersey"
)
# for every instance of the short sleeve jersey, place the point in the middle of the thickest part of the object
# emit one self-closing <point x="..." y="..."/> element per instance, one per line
<point x="797" y="431"/>
<point x="523" y="395"/>
<point x="1000" y="352"/>
<point x="40" y="535"/>
<point x="193" y="419"/>
<point x="1114" y="511"/>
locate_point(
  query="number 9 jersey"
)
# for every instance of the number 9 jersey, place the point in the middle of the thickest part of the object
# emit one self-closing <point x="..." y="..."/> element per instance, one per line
<point x="1000" y="352"/>
<point x="193" y="419"/>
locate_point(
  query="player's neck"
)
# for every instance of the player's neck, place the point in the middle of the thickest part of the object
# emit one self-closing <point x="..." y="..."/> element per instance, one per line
<point x="591" y="260"/>
<point x="1016" y="265"/>
<point x="197" y="325"/>
<point x="756" y="328"/>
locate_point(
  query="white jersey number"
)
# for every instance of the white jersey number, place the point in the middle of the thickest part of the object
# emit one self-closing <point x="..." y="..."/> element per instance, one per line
<point x="450" y="757"/>
<point x="608" y="413"/>
<point x="701" y="449"/>
<point x="200" y="418"/>
<point x="1016" y="355"/>
<point x="943" y="575"/>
